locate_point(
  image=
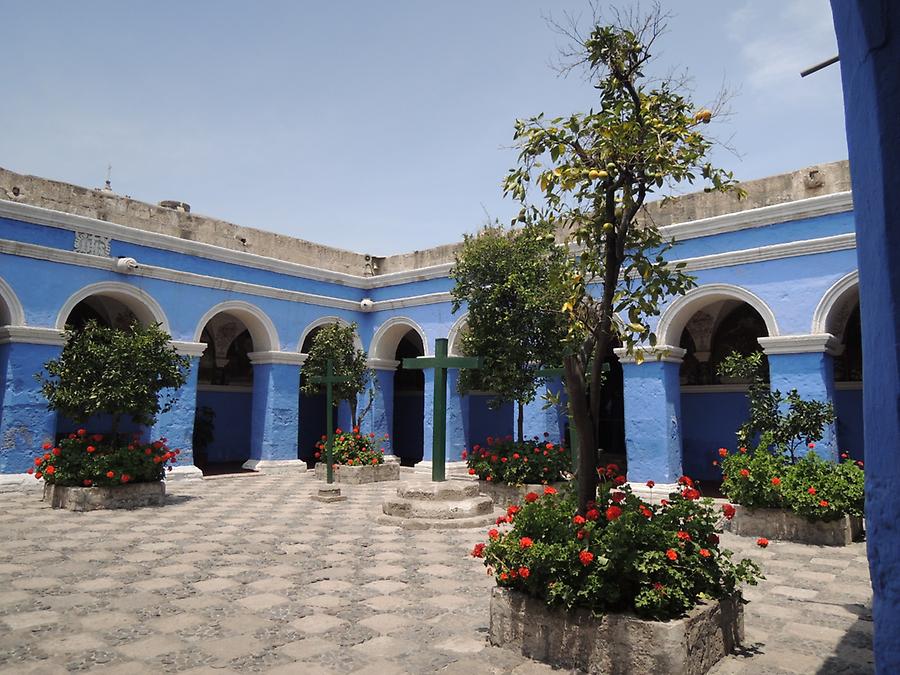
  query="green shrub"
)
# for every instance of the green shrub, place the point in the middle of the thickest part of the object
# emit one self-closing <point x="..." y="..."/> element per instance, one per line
<point x="93" y="460"/>
<point x="811" y="487"/>
<point x="352" y="448"/>
<point x="504" y="460"/>
<point x="624" y="554"/>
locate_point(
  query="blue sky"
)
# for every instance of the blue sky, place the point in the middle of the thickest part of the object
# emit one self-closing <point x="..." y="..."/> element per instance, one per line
<point x="373" y="126"/>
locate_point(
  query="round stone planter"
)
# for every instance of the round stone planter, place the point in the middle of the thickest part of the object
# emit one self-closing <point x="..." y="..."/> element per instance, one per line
<point x="786" y="525"/>
<point x="616" y="643"/>
<point x="130" y="496"/>
<point x="504" y="495"/>
<point x="358" y="475"/>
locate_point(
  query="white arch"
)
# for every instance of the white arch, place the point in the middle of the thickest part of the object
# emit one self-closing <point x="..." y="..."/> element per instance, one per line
<point x="833" y="302"/>
<point x="12" y="313"/>
<point x="262" y="330"/>
<point x="676" y="315"/>
<point x="387" y="337"/>
<point x="453" y="337"/>
<point x="142" y="304"/>
<point x="327" y="321"/>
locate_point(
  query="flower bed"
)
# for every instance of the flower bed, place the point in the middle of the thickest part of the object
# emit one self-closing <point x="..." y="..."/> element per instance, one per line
<point x="810" y="501"/>
<point x="534" y="461"/>
<point x="356" y="460"/>
<point x="90" y="471"/>
<point x="622" y="556"/>
<point x="621" y="642"/>
<point x="506" y="495"/>
<point x="358" y="475"/>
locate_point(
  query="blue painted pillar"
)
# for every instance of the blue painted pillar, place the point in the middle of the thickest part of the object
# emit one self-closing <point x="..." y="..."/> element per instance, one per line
<point x="177" y="425"/>
<point x="275" y="410"/>
<point x="428" y="427"/>
<point x="25" y="421"/>
<point x="653" y="416"/>
<point x="805" y="363"/>
<point x="344" y="415"/>
<point x="552" y="420"/>
<point x="457" y="418"/>
<point x="868" y="36"/>
<point x="380" y="420"/>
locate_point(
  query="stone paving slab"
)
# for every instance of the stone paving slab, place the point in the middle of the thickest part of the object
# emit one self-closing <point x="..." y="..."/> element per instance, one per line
<point x="235" y="576"/>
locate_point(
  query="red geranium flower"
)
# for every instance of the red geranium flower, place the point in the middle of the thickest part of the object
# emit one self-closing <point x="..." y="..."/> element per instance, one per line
<point x="684" y="536"/>
<point x="723" y="452"/>
<point x="586" y="557"/>
<point x="478" y="551"/>
<point x="493" y="534"/>
<point x="47" y="445"/>
<point x="617" y="497"/>
<point x="651" y="484"/>
<point x="613" y="512"/>
<point x="471" y="472"/>
<point x="525" y="542"/>
<point x="762" y="542"/>
<point x="728" y="510"/>
<point x="88" y="482"/>
<point x="671" y="554"/>
<point x="90" y="448"/>
<point x="513" y="510"/>
<point x="704" y="552"/>
<point x="110" y="474"/>
<point x="532" y="497"/>
<point x="549" y="490"/>
<point x="776" y="481"/>
<point x="620" y="480"/>
<point x="823" y="503"/>
<point x="524" y="572"/>
<point x="578" y="520"/>
<point x="812" y="491"/>
<point x="743" y="450"/>
<point x="50" y="470"/>
<point x="647" y="513"/>
<point x="745" y="473"/>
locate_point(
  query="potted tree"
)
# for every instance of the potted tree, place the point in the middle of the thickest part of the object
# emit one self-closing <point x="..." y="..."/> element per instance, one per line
<point x="117" y="373"/>
<point x="358" y="457"/>
<point x="781" y="491"/>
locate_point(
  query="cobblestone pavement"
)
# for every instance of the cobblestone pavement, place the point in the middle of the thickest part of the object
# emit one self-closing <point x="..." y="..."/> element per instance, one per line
<point x="248" y="574"/>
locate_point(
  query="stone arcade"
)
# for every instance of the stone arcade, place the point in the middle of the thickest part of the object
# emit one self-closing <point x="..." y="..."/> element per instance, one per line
<point x="775" y="272"/>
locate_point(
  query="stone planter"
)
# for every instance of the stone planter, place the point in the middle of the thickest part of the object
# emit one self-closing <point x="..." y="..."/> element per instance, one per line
<point x="788" y="526"/>
<point x="616" y="643"/>
<point x="131" y="496"/>
<point x="357" y="475"/>
<point x="504" y="495"/>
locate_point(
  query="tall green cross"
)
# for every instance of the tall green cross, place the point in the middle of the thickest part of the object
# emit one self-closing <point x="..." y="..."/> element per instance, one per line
<point x="440" y="362"/>
<point x="329" y="379"/>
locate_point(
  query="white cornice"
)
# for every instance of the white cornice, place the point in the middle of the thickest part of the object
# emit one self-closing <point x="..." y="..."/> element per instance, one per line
<point x="824" y="205"/>
<point x="188" y="348"/>
<point x="280" y="358"/>
<point x="32" y="335"/>
<point x="68" y="221"/>
<point x="800" y="344"/>
<point x="413" y="301"/>
<point x="382" y="364"/>
<point x="664" y="353"/>
<point x="837" y="242"/>
<point x="730" y="222"/>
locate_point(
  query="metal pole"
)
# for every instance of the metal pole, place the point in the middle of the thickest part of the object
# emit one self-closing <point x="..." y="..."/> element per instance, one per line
<point x="329" y="423"/>
<point x="439" y="438"/>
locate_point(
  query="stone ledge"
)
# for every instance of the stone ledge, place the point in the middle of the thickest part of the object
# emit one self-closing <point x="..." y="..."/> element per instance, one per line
<point x="616" y="643"/>
<point x="505" y="495"/>
<point x="275" y="465"/>
<point x="132" y="496"/>
<point x="784" y="525"/>
<point x="360" y="475"/>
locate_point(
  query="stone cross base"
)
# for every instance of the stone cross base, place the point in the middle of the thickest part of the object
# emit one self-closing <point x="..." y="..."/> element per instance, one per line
<point x="440" y="505"/>
<point x="329" y="493"/>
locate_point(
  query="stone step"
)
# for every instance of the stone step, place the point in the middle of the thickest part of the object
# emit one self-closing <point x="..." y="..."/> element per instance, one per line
<point x="438" y="509"/>
<point x="440" y="523"/>
<point x="451" y="490"/>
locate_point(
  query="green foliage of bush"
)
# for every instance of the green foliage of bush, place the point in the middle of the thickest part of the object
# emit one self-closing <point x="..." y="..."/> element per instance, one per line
<point x="624" y="554"/>
<point x="504" y="460"/>
<point x="114" y="371"/>
<point x="773" y="474"/>
<point x="353" y="448"/>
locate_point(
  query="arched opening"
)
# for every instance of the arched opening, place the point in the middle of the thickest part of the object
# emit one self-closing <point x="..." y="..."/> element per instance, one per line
<point x="224" y="396"/>
<point x="848" y="383"/>
<point x="111" y="305"/>
<point x="712" y="406"/>
<point x="611" y="423"/>
<point x="408" y="422"/>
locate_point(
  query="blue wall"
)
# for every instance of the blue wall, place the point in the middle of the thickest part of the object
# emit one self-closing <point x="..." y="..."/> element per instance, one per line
<point x="709" y="422"/>
<point x="484" y="422"/>
<point x="231" y="441"/>
<point x="848" y="407"/>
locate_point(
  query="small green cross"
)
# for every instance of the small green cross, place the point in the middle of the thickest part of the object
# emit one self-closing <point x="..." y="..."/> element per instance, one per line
<point x="329" y="379"/>
<point x="441" y="362"/>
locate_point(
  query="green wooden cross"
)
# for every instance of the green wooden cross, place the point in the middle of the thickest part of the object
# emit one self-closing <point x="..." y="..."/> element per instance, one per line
<point x="573" y="431"/>
<point x="329" y="379"/>
<point x="441" y="362"/>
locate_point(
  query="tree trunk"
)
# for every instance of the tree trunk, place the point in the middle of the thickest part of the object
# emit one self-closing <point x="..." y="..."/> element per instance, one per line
<point x="521" y="425"/>
<point x="587" y="440"/>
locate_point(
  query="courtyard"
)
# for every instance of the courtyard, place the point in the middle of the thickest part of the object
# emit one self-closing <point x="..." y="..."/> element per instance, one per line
<point x="250" y="574"/>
